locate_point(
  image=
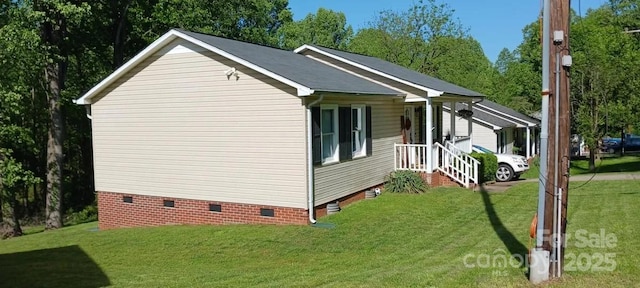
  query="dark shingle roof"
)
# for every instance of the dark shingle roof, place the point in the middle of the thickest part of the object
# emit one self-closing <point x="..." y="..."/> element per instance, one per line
<point x="295" y="67"/>
<point x="483" y="116"/>
<point x="508" y="111"/>
<point x="403" y="73"/>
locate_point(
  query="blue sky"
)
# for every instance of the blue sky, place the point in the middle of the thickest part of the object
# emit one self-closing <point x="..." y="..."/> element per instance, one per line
<point x="496" y="24"/>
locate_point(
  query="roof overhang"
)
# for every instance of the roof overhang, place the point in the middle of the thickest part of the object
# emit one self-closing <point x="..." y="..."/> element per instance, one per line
<point x="430" y="92"/>
<point x="527" y="122"/>
<point x="475" y="119"/>
<point x="165" y="39"/>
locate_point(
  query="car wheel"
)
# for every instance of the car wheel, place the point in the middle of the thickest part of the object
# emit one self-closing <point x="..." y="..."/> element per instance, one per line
<point x="516" y="177"/>
<point x="504" y="173"/>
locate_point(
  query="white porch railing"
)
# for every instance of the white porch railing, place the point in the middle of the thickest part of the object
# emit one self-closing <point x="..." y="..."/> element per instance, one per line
<point x="458" y="165"/>
<point x="410" y="157"/>
<point x="461" y="168"/>
<point x="463" y="144"/>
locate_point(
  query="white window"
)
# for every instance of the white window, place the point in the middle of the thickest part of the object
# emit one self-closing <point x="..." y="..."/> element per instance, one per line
<point x="329" y="129"/>
<point x="358" y="130"/>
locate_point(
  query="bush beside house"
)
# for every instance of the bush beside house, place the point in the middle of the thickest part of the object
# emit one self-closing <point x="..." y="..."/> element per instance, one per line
<point x="405" y="181"/>
<point x="488" y="166"/>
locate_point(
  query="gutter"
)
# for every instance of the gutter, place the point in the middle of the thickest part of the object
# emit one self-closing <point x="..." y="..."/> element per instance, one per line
<point x="310" y="178"/>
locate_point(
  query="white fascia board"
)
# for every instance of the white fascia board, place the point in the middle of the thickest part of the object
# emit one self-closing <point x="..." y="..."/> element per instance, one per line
<point x="474" y="119"/>
<point x="430" y="92"/>
<point x="493" y="111"/>
<point x="166" y="39"/>
<point x="152" y="48"/>
<point x="413" y="100"/>
<point x="302" y="90"/>
<point x="511" y="120"/>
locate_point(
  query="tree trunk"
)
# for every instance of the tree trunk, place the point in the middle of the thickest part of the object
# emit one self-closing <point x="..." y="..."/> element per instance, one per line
<point x="52" y="34"/>
<point x="622" y="143"/>
<point x="54" y="150"/>
<point x="592" y="159"/>
<point x="15" y="222"/>
<point x="120" y="20"/>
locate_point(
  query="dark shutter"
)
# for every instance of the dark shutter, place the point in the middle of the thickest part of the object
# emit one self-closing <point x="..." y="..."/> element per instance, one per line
<point x="316" y="135"/>
<point x="368" y="124"/>
<point x="421" y="134"/>
<point x="344" y="127"/>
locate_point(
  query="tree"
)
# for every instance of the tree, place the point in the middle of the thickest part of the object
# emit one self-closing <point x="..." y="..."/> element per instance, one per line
<point x="326" y="28"/>
<point x="56" y="17"/>
<point x="428" y="39"/>
<point x="19" y="112"/>
<point x="605" y="65"/>
<point x="519" y="78"/>
<point x="255" y="21"/>
<point x="13" y="179"/>
<point x="410" y="38"/>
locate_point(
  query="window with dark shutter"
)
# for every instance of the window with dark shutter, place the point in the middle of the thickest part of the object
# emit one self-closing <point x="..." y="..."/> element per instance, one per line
<point x="316" y="134"/>
<point x="344" y="122"/>
<point x="368" y="127"/>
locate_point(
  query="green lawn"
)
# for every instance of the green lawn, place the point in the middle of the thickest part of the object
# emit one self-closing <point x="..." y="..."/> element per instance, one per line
<point x="607" y="165"/>
<point x="391" y="241"/>
<point x="627" y="164"/>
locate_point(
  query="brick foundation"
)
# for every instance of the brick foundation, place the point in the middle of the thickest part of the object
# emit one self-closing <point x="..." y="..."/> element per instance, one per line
<point x="114" y="212"/>
<point x="438" y="179"/>
<point x="321" y="210"/>
<point x="150" y="211"/>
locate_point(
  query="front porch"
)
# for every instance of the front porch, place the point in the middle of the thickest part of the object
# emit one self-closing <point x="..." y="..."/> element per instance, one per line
<point x="425" y="148"/>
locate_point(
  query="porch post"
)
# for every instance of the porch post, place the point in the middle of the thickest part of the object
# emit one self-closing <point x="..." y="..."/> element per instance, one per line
<point x="452" y="127"/>
<point x="429" y="133"/>
<point x="528" y="142"/>
<point x="470" y="127"/>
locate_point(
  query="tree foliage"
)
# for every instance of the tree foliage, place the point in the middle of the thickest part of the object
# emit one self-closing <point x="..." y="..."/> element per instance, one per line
<point x="429" y="39"/>
<point x="326" y="28"/>
<point x="52" y="51"/>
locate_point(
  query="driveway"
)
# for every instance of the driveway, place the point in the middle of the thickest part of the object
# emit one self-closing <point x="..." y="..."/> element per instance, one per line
<point x="503" y="186"/>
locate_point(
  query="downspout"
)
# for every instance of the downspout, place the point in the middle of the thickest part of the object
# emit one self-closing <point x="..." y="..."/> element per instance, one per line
<point x="310" y="184"/>
<point x="88" y="108"/>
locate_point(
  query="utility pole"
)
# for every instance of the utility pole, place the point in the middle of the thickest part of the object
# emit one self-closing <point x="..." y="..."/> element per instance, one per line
<point x="557" y="172"/>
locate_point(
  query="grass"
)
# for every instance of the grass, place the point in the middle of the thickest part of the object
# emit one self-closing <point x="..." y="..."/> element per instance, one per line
<point x="391" y="241"/>
<point x="627" y="164"/>
<point x="607" y="165"/>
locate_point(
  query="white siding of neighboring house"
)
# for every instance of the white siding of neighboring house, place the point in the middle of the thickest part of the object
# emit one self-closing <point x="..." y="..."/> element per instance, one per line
<point x="175" y="126"/>
<point x="334" y="181"/>
<point x="482" y="134"/>
<point x="508" y="147"/>
<point x="413" y="94"/>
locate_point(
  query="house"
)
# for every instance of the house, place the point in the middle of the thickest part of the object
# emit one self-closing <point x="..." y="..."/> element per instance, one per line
<point x="198" y="129"/>
<point x="425" y="148"/>
<point x="527" y="132"/>
<point x="201" y="129"/>
<point x="499" y="128"/>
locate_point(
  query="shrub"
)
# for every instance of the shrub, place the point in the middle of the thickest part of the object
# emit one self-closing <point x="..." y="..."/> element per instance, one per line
<point x="88" y="214"/>
<point x="405" y="181"/>
<point x="488" y="166"/>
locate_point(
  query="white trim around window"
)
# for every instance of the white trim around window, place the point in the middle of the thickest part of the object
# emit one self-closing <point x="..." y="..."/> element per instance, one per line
<point x="329" y="134"/>
<point x="358" y="130"/>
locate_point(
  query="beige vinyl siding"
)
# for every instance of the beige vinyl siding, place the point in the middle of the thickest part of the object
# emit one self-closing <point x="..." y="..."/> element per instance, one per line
<point x="334" y="181"/>
<point x="481" y="134"/>
<point x="413" y="94"/>
<point x="175" y="126"/>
